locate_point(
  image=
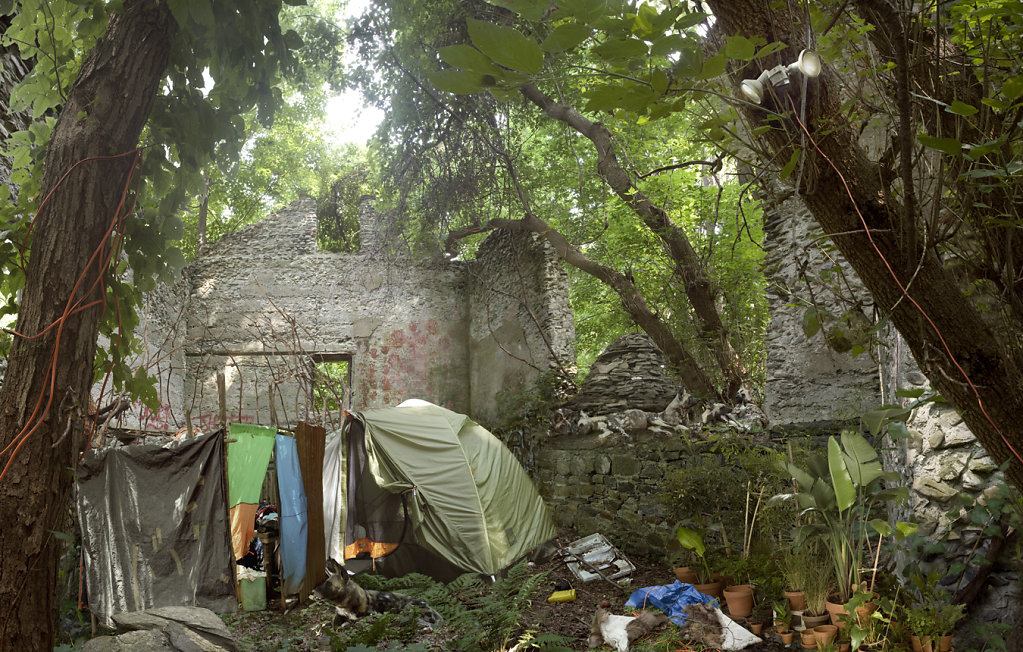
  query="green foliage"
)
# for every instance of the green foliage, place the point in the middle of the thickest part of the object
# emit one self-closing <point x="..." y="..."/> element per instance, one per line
<point x="192" y="146"/>
<point x="932" y="612"/>
<point x="454" y="162"/>
<point x="840" y="495"/>
<point x="337" y="212"/>
<point x="377" y="628"/>
<point x="483" y="616"/>
<point x="719" y="487"/>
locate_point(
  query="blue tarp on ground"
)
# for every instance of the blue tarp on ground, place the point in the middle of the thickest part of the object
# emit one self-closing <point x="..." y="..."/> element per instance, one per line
<point x="670" y="598"/>
<point x="294" y="520"/>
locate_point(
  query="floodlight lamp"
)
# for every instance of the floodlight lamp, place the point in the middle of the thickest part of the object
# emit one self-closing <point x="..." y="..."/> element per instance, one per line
<point x="753" y="90"/>
<point x="808" y="63"/>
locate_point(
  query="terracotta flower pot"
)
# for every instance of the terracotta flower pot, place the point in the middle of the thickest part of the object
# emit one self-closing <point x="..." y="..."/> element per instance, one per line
<point x="807" y="639"/>
<point x="685" y="574"/>
<point x="756" y="628"/>
<point x="945" y="643"/>
<point x="786" y="637"/>
<point x="921" y="644"/>
<point x="844" y="646"/>
<point x="837" y="613"/>
<point x="797" y="600"/>
<point x="740" y="600"/>
<point x="824" y="634"/>
<point x="713" y="589"/>
<point x="810" y="621"/>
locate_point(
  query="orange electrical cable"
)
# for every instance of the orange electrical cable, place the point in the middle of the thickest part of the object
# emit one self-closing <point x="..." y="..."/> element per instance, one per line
<point x="905" y="292"/>
<point x="71" y="306"/>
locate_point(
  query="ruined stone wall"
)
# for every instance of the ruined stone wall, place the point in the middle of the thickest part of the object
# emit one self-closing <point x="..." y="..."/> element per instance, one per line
<point x="947" y="472"/>
<point x="611" y="485"/>
<point x="264" y="303"/>
<point x="521" y="322"/>
<point x="267" y="296"/>
<point x="809" y="383"/>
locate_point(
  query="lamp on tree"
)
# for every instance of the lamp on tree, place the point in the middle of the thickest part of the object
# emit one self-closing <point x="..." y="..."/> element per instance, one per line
<point x="808" y="63"/>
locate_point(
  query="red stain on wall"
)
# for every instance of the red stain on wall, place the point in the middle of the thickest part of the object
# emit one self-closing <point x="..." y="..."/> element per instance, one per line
<point x="411" y="363"/>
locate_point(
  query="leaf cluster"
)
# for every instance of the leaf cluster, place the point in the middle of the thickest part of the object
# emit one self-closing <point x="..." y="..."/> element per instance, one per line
<point x="194" y="126"/>
<point x="484" y="616"/>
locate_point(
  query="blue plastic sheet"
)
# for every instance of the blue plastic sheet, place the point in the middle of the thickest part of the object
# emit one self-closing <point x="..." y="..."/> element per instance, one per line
<point x="294" y="519"/>
<point x="670" y="598"/>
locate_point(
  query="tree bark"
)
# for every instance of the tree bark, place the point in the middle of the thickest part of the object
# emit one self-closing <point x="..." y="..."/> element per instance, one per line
<point x="48" y="378"/>
<point x="694" y="276"/>
<point x="946" y="335"/>
<point x="688" y="369"/>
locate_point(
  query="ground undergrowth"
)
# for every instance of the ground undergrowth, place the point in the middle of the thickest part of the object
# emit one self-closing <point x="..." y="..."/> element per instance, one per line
<point x="510" y="614"/>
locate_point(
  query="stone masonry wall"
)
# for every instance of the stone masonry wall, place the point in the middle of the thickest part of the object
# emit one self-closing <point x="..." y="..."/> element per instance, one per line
<point x="521" y="322"/>
<point x="267" y="294"/>
<point x="808" y="382"/>
<point x="943" y="464"/>
<point x="265" y="302"/>
<point x="611" y="485"/>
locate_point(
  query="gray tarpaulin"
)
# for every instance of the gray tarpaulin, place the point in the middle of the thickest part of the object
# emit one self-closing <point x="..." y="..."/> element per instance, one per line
<point x="154" y="527"/>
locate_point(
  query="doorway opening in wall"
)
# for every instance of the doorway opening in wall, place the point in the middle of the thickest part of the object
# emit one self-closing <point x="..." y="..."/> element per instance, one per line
<point x="333" y="384"/>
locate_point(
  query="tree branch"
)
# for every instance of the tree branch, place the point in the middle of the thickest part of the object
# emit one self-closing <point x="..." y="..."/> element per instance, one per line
<point x="695" y="281"/>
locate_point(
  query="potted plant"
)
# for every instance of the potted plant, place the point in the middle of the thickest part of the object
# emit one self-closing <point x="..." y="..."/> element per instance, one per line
<point x="817" y="585"/>
<point x="838" y="495"/>
<point x="782" y="617"/>
<point x="693" y="541"/>
<point x="791" y="565"/>
<point x="932" y="616"/>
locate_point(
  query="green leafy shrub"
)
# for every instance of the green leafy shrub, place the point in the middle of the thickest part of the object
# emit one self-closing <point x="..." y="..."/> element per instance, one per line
<point x="482" y="616"/>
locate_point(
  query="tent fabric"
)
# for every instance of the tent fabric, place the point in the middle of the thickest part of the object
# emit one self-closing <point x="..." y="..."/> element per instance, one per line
<point x="672" y="599"/>
<point x="243" y="528"/>
<point x="468" y="499"/>
<point x="154" y="527"/>
<point x="294" y="521"/>
<point x="310" y="441"/>
<point x="247" y="459"/>
<point x="334" y="495"/>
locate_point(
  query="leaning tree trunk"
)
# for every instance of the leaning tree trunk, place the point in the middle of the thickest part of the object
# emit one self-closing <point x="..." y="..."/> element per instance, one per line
<point x="679" y="358"/>
<point x="693" y="272"/>
<point x="48" y="378"/>
<point x="846" y="182"/>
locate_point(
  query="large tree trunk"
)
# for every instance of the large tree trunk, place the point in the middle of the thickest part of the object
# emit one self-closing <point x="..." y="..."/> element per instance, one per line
<point x="48" y="378"/>
<point x="946" y="334"/>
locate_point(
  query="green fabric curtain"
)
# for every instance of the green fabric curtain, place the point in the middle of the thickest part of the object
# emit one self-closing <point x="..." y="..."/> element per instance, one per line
<point x="247" y="459"/>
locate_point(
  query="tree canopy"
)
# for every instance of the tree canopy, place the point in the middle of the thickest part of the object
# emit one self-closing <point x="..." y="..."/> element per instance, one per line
<point x="926" y="213"/>
<point x="469" y="149"/>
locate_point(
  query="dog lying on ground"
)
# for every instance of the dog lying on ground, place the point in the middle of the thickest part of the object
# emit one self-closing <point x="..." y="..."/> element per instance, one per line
<point x="351" y="601"/>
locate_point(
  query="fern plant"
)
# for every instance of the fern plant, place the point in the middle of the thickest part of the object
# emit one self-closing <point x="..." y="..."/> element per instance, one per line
<point x="483" y="617"/>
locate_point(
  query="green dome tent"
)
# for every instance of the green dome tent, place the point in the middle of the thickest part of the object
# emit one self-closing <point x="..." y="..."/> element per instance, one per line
<point x="418" y="488"/>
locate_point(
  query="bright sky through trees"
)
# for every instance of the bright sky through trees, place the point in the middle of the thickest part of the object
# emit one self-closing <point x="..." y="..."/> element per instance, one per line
<point x="349" y="119"/>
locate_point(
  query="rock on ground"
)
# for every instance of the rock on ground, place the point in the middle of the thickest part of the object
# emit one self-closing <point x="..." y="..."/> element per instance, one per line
<point x="175" y="629"/>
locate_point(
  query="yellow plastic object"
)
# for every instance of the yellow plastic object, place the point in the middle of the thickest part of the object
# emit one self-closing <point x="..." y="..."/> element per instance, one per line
<point x="252" y="593"/>
<point x="562" y="596"/>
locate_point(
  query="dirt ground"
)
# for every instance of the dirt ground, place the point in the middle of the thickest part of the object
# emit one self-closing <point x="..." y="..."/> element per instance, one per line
<point x="307" y="627"/>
